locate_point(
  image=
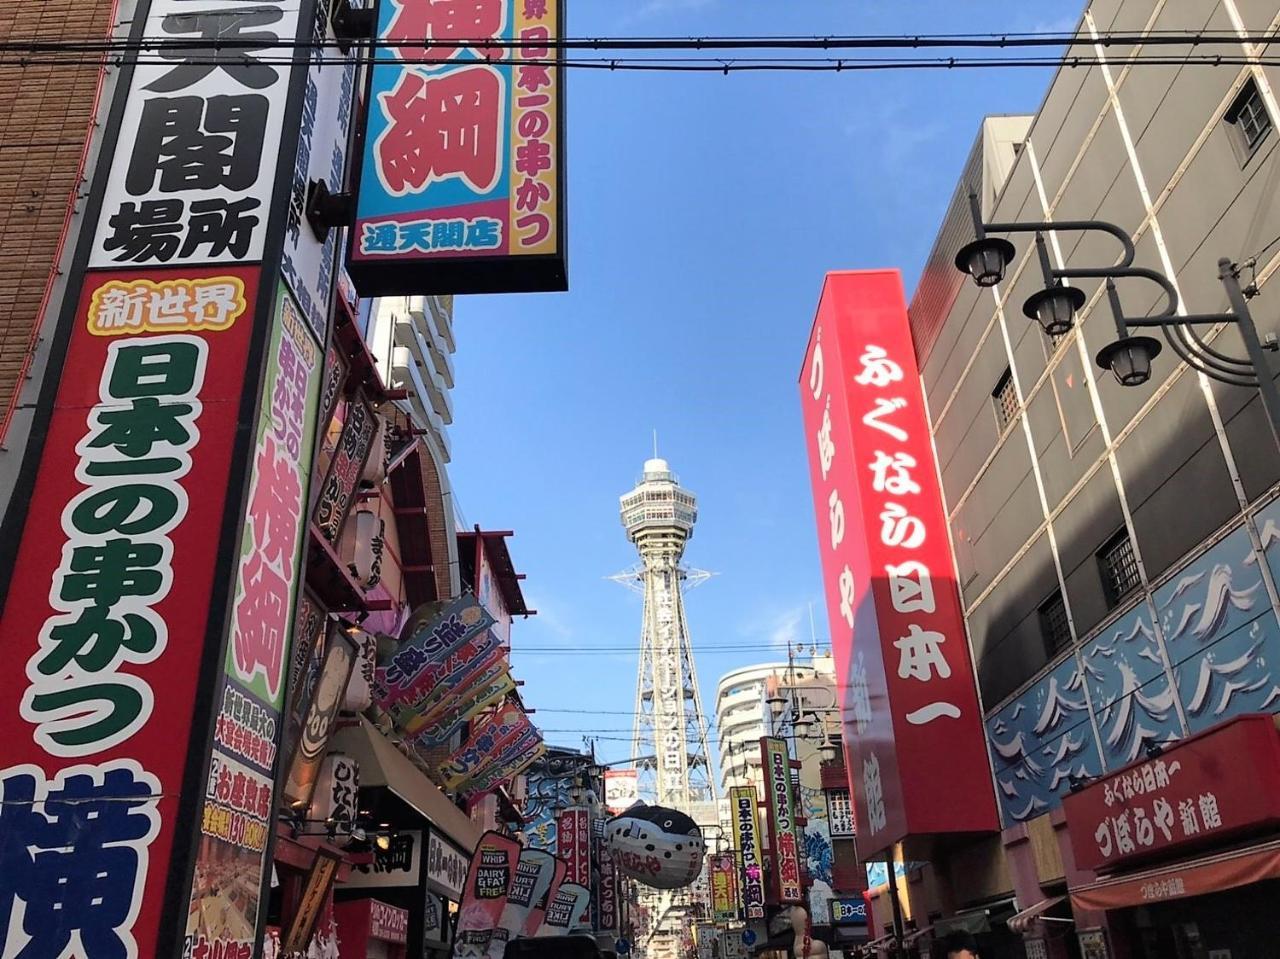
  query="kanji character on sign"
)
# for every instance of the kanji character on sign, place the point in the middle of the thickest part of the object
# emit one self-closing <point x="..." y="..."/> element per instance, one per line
<point x="193" y="143"/>
<point x="150" y="230"/>
<point x="533" y="78"/>
<point x="261" y="622"/>
<point x="873" y="794"/>
<point x="1209" y="814"/>
<point x="218" y="26"/>
<point x="910" y="587"/>
<point x="275" y="508"/>
<point x="440" y="128"/>
<point x="921" y="655"/>
<point x="134" y="431"/>
<point x="75" y="858"/>
<point x="1187" y="814"/>
<point x="442" y="22"/>
<point x="899" y="528"/>
<point x="104" y="574"/>
<point x="222" y="226"/>
<point x="877" y="368"/>
<point x="891" y="473"/>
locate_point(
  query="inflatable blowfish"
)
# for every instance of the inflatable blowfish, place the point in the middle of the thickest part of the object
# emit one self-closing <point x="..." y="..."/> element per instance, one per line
<point x="659" y="847"/>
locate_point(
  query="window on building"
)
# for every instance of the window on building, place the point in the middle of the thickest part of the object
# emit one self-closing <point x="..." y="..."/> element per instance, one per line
<point x="1249" y="120"/>
<point x="1054" y="626"/>
<point x="1005" y="400"/>
<point x="1119" y="567"/>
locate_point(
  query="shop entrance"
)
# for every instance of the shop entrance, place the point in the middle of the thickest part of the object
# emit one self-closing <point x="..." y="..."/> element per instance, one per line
<point x="1240" y="923"/>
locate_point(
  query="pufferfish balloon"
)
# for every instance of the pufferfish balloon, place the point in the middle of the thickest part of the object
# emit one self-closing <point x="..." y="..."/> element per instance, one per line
<point x="657" y="846"/>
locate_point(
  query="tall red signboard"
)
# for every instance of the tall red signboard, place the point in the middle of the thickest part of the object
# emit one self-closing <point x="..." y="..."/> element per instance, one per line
<point x="917" y="759"/>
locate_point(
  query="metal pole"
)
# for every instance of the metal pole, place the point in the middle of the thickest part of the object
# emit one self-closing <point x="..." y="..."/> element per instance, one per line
<point x="899" y="927"/>
<point x="1257" y="354"/>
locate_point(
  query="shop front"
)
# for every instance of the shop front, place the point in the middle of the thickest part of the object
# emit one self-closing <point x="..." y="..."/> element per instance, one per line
<point x="1184" y="847"/>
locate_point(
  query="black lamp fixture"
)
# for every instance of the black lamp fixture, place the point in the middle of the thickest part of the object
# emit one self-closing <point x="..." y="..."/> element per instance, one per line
<point x="1129" y="357"/>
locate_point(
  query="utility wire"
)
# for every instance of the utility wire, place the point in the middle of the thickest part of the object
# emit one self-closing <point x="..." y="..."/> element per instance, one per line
<point x="1197" y="38"/>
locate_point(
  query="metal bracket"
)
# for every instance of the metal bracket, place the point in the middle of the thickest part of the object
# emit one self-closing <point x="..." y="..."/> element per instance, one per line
<point x="326" y="210"/>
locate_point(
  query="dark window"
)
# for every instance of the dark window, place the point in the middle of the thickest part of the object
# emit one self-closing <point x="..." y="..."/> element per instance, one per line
<point x="1249" y="120"/>
<point x="1054" y="626"/>
<point x="1119" y="567"/>
<point x="1005" y="400"/>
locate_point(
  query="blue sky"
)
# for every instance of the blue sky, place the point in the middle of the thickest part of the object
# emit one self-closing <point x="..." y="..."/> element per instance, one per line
<point x="703" y="212"/>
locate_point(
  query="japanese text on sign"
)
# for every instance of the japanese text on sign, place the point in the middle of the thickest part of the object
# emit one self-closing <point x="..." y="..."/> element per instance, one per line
<point x="199" y="139"/>
<point x="747" y="826"/>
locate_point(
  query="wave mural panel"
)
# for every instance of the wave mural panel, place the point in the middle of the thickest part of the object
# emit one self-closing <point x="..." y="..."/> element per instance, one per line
<point x="1040" y="742"/>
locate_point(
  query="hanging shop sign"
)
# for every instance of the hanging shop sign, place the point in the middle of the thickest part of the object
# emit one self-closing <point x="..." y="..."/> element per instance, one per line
<point x="573" y="843"/>
<point x="490" y="737"/>
<point x="306" y="659"/>
<point x="782" y="819"/>
<point x="450" y="676"/>
<point x="337" y="793"/>
<point x="532" y="879"/>
<point x="848" y="911"/>
<point x="396" y="866"/>
<point x="485" y="896"/>
<point x="434" y="634"/>
<point x="621" y="789"/>
<point x="359" y="693"/>
<point x="304" y="766"/>
<point x="435" y="921"/>
<point x="462" y="159"/>
<point x="446" y="866"/>
<point x="523" y="754"/>
<point x="1190" y="795"/>
<point x="724" y="887"/>
<point x="335" y="375"/>
<point x="338" y="490"/>
<point x="606" y="893"/>
<point x="315" y="893"/>
<point x="746" y="820"/>
<point x="902" y="656"/>
<point x="839" y="813"/>
<point x="486" y="689"/>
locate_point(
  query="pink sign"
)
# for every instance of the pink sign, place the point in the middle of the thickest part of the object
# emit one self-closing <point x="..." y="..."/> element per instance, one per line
<point x="573" y="844"/>
<point x="909" y="701"/>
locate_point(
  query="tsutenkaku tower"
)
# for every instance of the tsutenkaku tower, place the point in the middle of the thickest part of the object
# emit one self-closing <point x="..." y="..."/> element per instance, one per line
<point x="669" y="726"/>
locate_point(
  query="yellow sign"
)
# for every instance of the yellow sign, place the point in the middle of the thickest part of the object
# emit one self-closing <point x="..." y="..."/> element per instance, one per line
<point x="122" y="308"/>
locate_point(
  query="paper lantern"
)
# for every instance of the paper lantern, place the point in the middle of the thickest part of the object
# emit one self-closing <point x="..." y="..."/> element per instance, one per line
<point x="336" y="798"/>
<point x="375" y="467"/>
<point x="359" y="692"/>
<point x="656" y="846"/>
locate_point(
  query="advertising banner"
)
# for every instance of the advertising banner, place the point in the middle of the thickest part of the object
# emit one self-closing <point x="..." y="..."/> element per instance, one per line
<point x="113" y="569"/>
<point x="304" y="764"/>
<point x="527" y="750"/>
<point x="840" y="813"/>
<point x="493" y="866"/>
<point x="436" y="727"/>
<point x="533" y="922"/>
<point x="1179" y="800"/>
<point x="484" y="748"/>
<point x="253" y="678"/>
<point x="782" y="819"/>
<point x="338" y="490"/>
<point x="315" y="893"/>
<point x="746" y="823"/>
<point x="573" y="843"/>
<point x="621" y="789"/>
<point x="406" y="675"/>
<point x="462" y="172"/>
<point x="566" y="910"/>
<point x="724" y="887"/>
<point x="534" y="873"/>
<point x="908" y="697"/>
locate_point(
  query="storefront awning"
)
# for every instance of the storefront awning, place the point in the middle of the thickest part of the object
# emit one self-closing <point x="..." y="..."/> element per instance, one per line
<point x="381" y="764"/>
<point x="1023" y="920"/>
<point x="1228" y="870"/>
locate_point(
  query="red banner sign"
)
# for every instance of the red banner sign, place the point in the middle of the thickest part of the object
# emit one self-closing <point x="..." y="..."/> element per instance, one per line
<point x="108" y="610"/>
<point x="1192" y="794"/>
<point x="907" y="690"/>
<point x="573" y="844"/>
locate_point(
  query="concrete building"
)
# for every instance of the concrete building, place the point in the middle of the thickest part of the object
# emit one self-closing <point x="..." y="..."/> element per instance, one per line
<point x="1115" y="546"/>
<point x="740" y="722"/>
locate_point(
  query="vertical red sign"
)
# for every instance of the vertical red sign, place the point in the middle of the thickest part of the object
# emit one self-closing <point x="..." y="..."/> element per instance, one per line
<point x="913" y="725"/>
<point x="573" y="844"/>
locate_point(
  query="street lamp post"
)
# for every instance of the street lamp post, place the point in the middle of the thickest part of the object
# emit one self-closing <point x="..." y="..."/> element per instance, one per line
<point x="1129" y="356"/>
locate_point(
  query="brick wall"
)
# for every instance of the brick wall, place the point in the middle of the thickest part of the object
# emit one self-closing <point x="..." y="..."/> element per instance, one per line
<point x="45" y="112"/>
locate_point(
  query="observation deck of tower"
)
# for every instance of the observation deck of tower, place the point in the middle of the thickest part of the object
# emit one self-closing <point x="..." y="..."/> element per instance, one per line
<point x="670" y="732"/>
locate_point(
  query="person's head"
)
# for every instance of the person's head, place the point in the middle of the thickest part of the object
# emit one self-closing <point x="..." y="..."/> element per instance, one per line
<point x="961" y="945"/>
